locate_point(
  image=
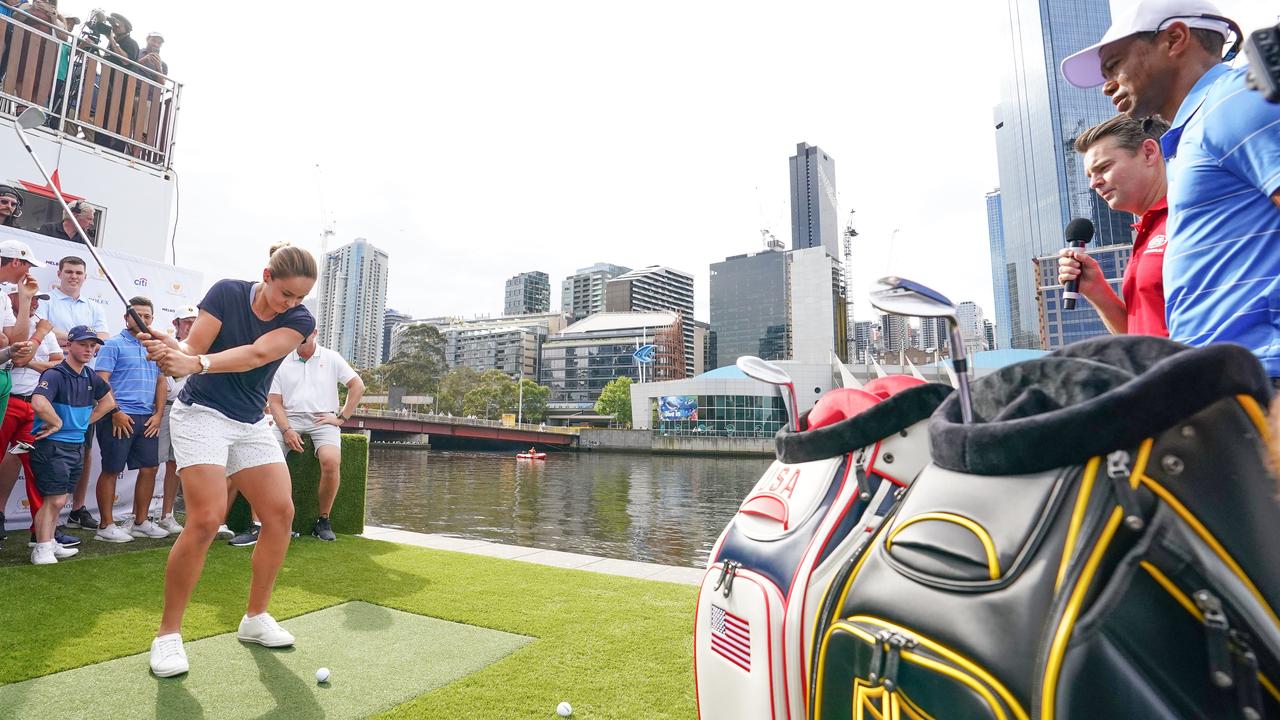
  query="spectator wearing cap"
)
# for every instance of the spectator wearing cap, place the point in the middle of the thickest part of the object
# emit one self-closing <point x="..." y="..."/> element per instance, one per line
<point x="151" y="54"/>
<point x="68" y="399"/>
<point x="16" y="262"/>
<point x="183" y="319"/>
<point x="66" y="309"/>
<point x="66" y="230"/>
<point x="130" y="437"/>
<point x="1221" y="269"/>
<point x="10" y="206"/>
<point x="15" y="428"/>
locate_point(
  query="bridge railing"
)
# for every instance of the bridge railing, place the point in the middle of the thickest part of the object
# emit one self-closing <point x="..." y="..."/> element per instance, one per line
<point x="457" y="420"/>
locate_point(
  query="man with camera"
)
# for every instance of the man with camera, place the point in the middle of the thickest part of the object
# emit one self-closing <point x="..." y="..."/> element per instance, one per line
<point x="1221" y="271"/>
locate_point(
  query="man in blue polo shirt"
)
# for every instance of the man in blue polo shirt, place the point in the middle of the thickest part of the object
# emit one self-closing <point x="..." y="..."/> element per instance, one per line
<point x="130" y="437"/>
<point x="1221" y="268"/>
<point x="67" y="400"/>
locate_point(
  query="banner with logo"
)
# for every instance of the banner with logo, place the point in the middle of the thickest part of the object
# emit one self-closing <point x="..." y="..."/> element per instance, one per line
<point x="674" y="408"/>
<point x="168" y="287"/>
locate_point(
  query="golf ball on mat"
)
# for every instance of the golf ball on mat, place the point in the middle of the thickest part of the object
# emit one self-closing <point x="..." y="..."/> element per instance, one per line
<point x="322" y="675"/>
<point x="564" y="709"/>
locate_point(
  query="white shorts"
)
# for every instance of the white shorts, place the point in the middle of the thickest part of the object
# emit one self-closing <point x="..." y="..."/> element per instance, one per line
<point x="305" y="425"/>
<point x="204" y="436"/>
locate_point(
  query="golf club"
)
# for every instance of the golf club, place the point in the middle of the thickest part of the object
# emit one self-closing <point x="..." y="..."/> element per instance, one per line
<point x="34" y="117"/>
<point x="767" y="372"/>
<point x="900" y="296"/>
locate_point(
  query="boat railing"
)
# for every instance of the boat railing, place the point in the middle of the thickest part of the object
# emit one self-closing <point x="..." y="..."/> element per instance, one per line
<point x="459" y="420"/>
<point x="101" y="99"/>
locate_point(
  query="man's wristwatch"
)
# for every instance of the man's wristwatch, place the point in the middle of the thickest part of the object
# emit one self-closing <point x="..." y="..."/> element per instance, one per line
<point x="204" y="363"/>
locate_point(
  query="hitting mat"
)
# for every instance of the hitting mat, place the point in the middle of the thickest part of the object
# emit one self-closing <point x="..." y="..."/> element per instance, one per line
<point x="378" y="658"/>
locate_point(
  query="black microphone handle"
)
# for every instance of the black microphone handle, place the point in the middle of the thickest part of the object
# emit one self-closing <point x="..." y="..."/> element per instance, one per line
<point x="1069" y="293"/>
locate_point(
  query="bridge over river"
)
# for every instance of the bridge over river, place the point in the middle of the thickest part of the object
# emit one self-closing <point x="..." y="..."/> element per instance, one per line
<point x="450" y="431"/>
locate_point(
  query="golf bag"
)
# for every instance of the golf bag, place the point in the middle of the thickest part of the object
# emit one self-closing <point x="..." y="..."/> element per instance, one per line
<point x="1099" y="543"/>
<point x="812" y="509"/>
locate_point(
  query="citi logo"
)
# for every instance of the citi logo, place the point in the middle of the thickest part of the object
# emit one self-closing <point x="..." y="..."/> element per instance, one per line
<point x="140" y="282"/>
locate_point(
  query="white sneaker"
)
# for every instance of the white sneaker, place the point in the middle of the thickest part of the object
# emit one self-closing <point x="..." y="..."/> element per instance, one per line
<point x="146" y="529"/>
<point x="225" y="532"/>
<point x="113" y="534"/>
<point x="170" y="524"/>
<point x="62" y="553"/>
<point x="42" y="554"/>
<point x="264" y="630"/>
<point x="167" y="656"/>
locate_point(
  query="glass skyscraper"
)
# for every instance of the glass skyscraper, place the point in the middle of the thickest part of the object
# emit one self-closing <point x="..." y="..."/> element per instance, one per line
<point x="813" y="200"/>
<point x="999" y="277"/>
<point x="749" y="306"/>
<point x="1042" y="181"/>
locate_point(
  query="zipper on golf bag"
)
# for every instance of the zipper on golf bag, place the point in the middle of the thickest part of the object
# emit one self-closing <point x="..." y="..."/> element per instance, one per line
<point x="888" y="661"/>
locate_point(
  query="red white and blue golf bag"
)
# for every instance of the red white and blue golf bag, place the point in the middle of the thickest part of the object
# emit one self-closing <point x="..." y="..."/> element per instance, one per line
<point x="815" y="507"/>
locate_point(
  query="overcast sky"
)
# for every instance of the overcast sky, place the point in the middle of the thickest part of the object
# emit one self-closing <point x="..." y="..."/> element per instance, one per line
<point x="476" y="140"/>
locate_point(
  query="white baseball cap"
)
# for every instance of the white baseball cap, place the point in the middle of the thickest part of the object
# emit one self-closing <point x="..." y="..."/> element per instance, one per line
<point x="1084" y="69"/>
<point x="18" y="249"/>
<point x="185" y="311"/>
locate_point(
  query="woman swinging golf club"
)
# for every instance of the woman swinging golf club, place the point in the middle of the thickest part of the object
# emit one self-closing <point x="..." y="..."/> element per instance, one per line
<point x="219" y="433"/>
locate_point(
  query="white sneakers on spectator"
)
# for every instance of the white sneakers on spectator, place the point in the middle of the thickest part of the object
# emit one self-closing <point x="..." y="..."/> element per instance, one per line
<point x="225" y="532"/>
<point x="113" y="533"/>
<point x="49" y="553"/>
<point x="146" y="529"/>
<point x="264" y="630"/>
<point x="167" y="656"/>
<point x="170" y="524"/>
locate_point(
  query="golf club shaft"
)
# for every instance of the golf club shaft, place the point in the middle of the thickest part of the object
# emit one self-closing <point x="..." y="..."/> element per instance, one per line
<point x="57" y="192"/>
<point x="793" y="408"/>
<point x="961" y="363"/>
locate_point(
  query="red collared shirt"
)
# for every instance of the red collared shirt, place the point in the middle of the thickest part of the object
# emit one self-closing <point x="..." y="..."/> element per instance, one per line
<point x="1143" y="284"/>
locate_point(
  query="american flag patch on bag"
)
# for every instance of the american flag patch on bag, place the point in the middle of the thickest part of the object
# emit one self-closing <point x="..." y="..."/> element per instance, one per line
<point x="731" y="637"/>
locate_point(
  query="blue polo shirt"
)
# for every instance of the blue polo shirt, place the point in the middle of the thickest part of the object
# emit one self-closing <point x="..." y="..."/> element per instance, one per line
<point x="132" y="376"/>
<point x="73" y="396"/>
<point x="1222" y="266"/>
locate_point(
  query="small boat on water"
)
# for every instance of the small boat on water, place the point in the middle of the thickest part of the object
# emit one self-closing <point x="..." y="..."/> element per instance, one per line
<point x="531" y="456"/>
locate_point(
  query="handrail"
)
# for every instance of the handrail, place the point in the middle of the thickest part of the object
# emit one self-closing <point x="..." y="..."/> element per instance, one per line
<point x="126" y="111"/>
<point x="456" y="420"/>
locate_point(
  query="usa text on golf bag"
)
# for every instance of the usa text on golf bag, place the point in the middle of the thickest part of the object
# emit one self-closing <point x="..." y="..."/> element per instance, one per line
<point x="1100" y="543"/>
<point x="814" y="506"/>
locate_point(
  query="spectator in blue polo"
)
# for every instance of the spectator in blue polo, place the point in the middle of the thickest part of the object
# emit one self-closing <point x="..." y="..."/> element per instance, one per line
<point x="1222" y="267"/>
<point x="68" y="399"/>
<point x="131" y="437"/>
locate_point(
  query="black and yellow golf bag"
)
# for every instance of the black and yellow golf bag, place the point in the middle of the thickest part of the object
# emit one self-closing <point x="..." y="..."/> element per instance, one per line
<point x="1102" y="542"/>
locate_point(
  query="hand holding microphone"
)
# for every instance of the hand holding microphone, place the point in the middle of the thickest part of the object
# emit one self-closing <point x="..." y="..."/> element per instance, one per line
<point x="1079" y="232"/>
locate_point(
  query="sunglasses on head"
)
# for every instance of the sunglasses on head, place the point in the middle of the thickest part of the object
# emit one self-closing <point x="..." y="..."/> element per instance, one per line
<point x="1237" y="35"/>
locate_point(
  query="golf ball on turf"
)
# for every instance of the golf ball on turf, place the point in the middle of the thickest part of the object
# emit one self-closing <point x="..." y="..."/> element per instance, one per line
<point x="564" y="709"/>
<point x="322" y="675"/>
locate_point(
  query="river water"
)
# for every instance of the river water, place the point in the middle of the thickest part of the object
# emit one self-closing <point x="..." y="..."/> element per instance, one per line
<point x="665" y="509"/>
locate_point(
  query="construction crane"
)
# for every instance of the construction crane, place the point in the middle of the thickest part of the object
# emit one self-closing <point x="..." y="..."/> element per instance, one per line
<point x="850" y="232"/>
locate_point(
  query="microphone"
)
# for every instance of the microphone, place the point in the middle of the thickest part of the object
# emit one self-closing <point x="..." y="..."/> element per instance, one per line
<point x="1079" y="233"/>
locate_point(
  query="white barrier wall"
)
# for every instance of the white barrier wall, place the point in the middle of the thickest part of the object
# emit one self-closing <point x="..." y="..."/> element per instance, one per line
<point x="167" y="286"/>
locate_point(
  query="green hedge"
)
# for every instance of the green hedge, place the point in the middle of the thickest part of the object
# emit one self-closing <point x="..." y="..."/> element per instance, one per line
<point x="348" y="508"/>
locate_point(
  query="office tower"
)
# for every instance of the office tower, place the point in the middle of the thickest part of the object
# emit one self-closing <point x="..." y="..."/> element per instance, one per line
<point x="582" y="293"/>
<point x="528" y="293"/>
<point x="353" y="302"/>
<point x="656" y="288"/>
<point x="813" y="200"/>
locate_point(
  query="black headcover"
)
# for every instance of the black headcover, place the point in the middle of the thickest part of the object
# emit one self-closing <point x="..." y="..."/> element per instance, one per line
<point x="898" y="412"/>
<point x="1087" y="399"/>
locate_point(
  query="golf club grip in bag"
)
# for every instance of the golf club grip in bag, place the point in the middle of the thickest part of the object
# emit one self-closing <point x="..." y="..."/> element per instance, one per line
<point x="1100" y="543"/>
<point x="813" y="508"/>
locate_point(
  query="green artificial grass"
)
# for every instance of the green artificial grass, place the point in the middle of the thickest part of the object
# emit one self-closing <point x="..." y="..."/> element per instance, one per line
<point x="14" y="551"/>
<point x="614" y="647"/>
<point x="377" y="658"/>
<point x="304" y="469"/>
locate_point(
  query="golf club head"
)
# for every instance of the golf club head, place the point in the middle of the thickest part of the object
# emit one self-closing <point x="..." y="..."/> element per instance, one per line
<point x="899" y="296"/>
<point x="32" y="117"/>
<point x="763" y="370"/>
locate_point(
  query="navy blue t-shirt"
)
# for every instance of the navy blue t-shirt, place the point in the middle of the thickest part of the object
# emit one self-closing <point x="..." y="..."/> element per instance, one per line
<point x="240" y="396"/>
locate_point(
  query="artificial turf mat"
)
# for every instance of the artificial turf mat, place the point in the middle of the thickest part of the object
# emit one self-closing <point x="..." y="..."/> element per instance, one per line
<point x="378" y="658"/>
<point x="614" y="647"/>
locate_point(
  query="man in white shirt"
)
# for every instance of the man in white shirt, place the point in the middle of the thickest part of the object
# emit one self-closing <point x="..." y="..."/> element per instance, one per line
<point x="304" y="399"/>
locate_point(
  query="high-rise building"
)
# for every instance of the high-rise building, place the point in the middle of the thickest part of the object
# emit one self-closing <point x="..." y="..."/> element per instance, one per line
<point x="1061" y="327"/>
<point x="353" y="302"/>
<point x="510" y="344"/>
<point x="652" y="289"/>
<point x="970" y="321"/>
<point x="582" y="293"/>
<point x="999" y="267"/>
<point x="528" y="293"/>
<point x="864" y="332"/>
<point x="817" y="306"/>
<point x="893" y="332"/>
<point x="989" y="334"/>
<point x="391" y="319"/>
<point x="703" y="339"/>
<point x="935" y="334"/>
<point x="1042" y="183"/>
<point x="813" y="200"/>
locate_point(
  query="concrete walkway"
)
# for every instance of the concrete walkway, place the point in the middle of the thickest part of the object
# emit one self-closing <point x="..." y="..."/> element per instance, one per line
<point x="556" y="558"/>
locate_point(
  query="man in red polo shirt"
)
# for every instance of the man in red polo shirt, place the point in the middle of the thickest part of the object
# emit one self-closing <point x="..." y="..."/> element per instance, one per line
<point x="1123" y="162"/>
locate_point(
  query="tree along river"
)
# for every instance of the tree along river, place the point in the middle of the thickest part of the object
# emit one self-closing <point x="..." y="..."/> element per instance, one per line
<point x="665" y="509"/>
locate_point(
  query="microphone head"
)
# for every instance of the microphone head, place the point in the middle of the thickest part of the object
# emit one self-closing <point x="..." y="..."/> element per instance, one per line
<point x="1080" y="231"/>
